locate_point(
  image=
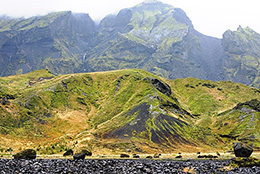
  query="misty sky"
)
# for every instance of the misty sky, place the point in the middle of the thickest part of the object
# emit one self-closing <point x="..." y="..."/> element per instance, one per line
<point x="210" y="17"/>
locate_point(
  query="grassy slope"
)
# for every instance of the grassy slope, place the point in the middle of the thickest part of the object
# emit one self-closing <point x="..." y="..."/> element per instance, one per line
<point x="214" y="104"/>
<point x="75" y="110"/>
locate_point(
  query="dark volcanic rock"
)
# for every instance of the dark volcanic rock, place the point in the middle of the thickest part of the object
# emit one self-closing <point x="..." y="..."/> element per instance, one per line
<point x="79" y="156"/>
<point x="207" y="156"/>
<point x="68" y="152"/>
<point x="4" y="101"/>
<point x="158" y="84"/>
<point x="157" y="155"/>
<point x="242" y="150"/>
<point x="114" y="166"/>
<point x="254" y="104"/>
<point x="124" y="155"/>
<point x="26" y="154"/>
<point x="86" y="152"/>
<point x="136" y="156"/>
<point x="160" y="133"/>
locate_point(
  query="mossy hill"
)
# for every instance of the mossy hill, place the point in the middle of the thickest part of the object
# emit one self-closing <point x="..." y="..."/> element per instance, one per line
<point x="152" y="36"/>
<point x="125" y="109"/>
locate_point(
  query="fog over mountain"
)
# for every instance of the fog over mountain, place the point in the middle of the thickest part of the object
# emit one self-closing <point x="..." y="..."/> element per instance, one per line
<point x="209" y="17"/>
<point x="153" y="36"/>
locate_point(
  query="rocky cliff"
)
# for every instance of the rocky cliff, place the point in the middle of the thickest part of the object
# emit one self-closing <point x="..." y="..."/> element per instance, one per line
<point x="56" y="41"/>
<point x="152" y="36"/>
<point x="241" y="60"/>
<point x="158" y="38"/>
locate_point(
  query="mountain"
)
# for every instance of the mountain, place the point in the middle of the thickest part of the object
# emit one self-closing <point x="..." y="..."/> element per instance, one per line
<point x="145" y="112"/>
<point x="158" y="38"/>
<point x="152" y="36"/>
<point x="56" y="41"/>
<point x="242" y="54"/>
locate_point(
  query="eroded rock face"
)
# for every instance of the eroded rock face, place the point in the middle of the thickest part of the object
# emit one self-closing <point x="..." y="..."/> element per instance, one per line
<point x="242" y="55"/>
<point x="242" y="150"/>
<point x="158" y="84"/>
<point x="23" y="48"/>
<point x="27" y="154"/>
<point x="254" y="104"/>
<point x="68" y="152"/>
<point x="152" y="36"/>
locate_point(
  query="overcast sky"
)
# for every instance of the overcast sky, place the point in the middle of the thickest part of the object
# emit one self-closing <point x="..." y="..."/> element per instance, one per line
<point x="210" y="17"/>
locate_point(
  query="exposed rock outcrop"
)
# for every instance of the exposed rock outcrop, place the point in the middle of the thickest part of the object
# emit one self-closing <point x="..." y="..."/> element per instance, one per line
<point x="68" y="152"/>
<point x="4" y="101"/>
<point x="27" y="154"/>
<point x="159" y="85"/>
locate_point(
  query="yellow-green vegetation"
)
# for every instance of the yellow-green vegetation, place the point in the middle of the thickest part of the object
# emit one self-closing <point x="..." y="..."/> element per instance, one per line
<point x="222" y="107"/>
<point x="124" y="109"/>
<point x="244" y="162"/>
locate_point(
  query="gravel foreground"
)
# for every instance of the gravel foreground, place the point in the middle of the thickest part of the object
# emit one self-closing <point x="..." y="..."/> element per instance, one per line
<point x="96" y="166"/>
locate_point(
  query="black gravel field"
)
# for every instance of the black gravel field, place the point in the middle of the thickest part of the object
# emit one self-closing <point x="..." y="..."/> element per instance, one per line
<point x="118" y="166"/>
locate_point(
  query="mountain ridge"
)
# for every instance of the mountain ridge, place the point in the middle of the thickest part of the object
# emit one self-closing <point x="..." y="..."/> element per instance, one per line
<point x="153" y="36"/>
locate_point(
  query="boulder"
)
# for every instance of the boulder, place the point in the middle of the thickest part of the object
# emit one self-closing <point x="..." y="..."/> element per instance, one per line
<point x="149" y="157"/>
<point x="179" y="156"/>
<point x="124" y="155"/>
<point x="86" y="152"/>
<point x="27" y="154"/>
<point x="242" y="150"/>
<point x="79" y="156"/>
<point x="68" y="152"/>
<point x="4" y="101"/>
<point x="157" y="155"/>
<point x="136" y="156"/>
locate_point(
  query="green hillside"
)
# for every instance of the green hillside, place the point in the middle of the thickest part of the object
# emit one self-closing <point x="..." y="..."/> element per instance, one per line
<point x="118" y="110"/>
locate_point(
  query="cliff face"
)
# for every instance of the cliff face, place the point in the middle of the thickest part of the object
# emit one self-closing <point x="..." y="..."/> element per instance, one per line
<point x="152" y="36"/>
<point x="242" y="52"/>
<point x="56" y="41"/>
<point x="158" y="38"/>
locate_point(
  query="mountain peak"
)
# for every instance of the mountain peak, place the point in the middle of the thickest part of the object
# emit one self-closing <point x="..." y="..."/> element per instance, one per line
<point x="151" y="1"/>
<point x="152" y="4"/>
